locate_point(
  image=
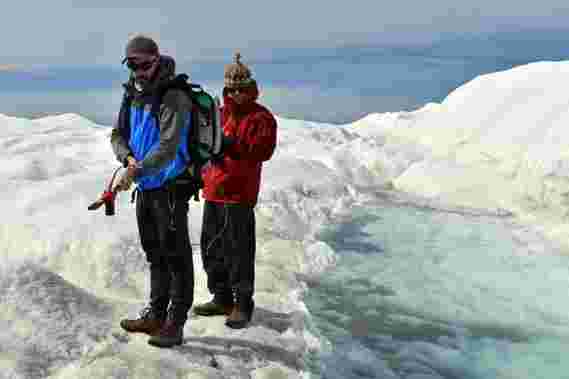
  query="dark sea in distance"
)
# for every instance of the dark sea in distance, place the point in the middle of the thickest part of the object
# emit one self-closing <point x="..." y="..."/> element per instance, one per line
<point x="334" y="85"/>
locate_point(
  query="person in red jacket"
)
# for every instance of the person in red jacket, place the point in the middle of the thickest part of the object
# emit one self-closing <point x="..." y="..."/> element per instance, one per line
<point x="231" y="190"/>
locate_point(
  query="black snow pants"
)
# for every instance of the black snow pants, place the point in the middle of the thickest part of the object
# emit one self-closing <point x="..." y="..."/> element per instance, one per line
<point x="228" y="249"/>
<point x="162" y="217"/>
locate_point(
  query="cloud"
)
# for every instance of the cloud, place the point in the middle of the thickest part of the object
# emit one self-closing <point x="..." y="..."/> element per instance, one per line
<point x="83" y="33"/>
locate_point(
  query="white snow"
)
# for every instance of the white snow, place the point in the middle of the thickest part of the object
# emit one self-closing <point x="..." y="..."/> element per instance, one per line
<point x="499" y="143"/>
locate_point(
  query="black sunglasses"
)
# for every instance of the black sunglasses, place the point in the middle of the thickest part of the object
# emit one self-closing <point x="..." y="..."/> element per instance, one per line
<point x="144" y="66"/>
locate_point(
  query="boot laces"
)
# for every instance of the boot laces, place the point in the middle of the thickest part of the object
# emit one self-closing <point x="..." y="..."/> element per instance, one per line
<point x="146" y="313"/>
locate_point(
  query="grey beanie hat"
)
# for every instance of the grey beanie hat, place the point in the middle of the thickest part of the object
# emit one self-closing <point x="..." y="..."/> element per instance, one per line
<point x="140" y="44"/>
<point x="237" y="74"/>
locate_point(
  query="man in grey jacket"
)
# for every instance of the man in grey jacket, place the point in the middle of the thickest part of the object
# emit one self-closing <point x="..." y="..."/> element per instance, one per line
<point x="150" y="139"/>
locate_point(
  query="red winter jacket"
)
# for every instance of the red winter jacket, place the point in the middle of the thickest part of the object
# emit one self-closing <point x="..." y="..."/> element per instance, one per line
<point x="237" y="177"/>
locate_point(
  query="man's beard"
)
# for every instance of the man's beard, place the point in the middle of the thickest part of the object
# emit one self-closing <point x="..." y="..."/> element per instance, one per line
<point x="141" y="84"/>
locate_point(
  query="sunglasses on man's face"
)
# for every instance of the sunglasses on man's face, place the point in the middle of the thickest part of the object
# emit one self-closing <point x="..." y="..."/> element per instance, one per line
<point x="144" y="66"/>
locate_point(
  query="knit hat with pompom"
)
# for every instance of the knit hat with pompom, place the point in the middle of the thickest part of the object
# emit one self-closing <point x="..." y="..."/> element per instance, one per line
<point x="237" y="75"/>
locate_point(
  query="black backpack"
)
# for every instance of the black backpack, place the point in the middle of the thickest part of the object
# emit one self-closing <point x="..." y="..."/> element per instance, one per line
<point x="205" y="137"/>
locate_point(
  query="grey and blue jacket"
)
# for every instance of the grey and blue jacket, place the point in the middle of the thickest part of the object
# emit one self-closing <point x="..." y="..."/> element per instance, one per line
<point x="153" y="127"/>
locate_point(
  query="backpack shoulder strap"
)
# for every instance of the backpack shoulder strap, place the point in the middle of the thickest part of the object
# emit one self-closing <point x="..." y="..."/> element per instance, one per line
<point x="180" y="82"/>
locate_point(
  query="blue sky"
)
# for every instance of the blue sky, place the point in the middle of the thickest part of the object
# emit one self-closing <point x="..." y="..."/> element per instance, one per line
<point x="81" y="32"/>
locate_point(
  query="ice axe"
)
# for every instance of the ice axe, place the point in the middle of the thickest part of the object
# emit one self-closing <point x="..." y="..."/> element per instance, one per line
<point x="108" y="197"/>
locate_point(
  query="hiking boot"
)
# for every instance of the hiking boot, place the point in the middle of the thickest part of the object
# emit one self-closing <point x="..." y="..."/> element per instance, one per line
<point x="149" y="322"/>
<point x="214" y="307"/>
<point x="171" y="334"/>
<point x="241" y="314"/>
